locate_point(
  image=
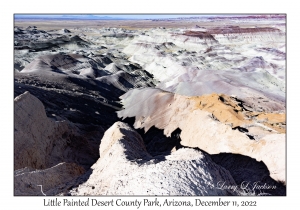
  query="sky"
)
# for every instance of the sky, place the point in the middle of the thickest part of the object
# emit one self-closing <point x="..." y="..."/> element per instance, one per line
<point x="109" y="16"/>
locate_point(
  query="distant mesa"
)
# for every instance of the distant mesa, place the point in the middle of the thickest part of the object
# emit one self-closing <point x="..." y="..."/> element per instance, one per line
<point x="199" y="34"/>
<point x="239" y="30"/>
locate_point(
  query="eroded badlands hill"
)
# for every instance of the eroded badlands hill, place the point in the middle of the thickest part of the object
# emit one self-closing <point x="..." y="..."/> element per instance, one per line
<point x="193" y="100"/>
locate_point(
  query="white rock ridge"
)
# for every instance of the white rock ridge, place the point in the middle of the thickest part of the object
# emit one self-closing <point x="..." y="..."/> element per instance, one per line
<point x="126" y="168"/>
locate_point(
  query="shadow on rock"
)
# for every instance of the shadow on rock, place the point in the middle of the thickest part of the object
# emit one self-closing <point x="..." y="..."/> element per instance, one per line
<point x="250" y="174"/>
<point x="157" y="144"/>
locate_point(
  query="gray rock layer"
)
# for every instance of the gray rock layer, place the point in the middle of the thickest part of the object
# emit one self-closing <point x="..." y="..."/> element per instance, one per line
<point x="126" y="168"/>
<point x="35" y="135"/>
<point x="39" y="182"/>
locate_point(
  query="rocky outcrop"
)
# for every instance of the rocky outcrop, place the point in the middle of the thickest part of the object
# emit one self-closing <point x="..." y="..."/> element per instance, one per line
<point x="49" y="153"/>
<point x="215" y="124"/>
<point x="38" y="141"/>
<point x="41" y="142"/>
<point x="126" y="168"/>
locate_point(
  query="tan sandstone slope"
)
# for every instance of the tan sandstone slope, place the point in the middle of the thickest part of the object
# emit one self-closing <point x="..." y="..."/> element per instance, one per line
<point x="213" y="123"/>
